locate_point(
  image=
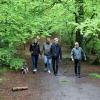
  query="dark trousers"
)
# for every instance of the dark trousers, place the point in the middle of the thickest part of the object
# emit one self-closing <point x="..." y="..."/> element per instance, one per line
<point x="77" y="67"/>
<point x="55" y="62"/>
<point x="34" y="61"/>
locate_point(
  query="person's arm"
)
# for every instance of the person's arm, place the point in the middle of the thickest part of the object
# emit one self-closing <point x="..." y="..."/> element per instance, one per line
<point x="51" y="50"/>
<point x="72" y="54"/>
<point x="43" y="49"/>
<point x="39" y="50"/>
<point x="30" y="49"/>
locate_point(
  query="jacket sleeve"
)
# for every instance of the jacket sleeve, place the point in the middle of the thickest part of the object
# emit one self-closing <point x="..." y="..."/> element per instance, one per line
<point x="72" y="54"/>
<point x="83" y="53"/>
<point x="51" y="50"/>
<point x="39" y="50"/>
<point x="43" y="49"/>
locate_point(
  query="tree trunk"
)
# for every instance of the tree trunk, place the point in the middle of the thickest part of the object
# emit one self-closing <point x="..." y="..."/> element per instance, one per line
<point x="79" y="17"/>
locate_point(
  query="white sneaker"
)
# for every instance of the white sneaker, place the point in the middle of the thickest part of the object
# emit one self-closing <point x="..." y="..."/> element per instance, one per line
<point x="49" y="71"/>
<point x="35" y="70"/>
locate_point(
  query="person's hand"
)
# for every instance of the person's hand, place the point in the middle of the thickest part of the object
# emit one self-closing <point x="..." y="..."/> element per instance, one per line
<point x="72" y="59"/>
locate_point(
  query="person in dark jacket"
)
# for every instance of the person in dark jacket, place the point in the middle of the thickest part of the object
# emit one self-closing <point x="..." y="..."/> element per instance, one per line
<point x="35" y="51"/>
<point x="56" y="53"/>
<point x="77" y="54"/>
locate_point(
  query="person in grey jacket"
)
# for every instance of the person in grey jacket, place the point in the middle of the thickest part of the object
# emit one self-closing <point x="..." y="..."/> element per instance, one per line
<point x="77" y="55"/>
<point x="47" y="55"/>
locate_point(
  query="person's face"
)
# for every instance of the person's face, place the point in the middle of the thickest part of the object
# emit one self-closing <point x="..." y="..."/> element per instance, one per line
<point x="76" y="45"/>
<point x="38" y="38"/>
<point x="48" y="40"/>
<point x="56" y="41"/>
<point x="35" y="41"/>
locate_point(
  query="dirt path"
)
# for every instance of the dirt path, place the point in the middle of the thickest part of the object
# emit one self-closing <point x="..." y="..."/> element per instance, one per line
<point x="44" y="86"/>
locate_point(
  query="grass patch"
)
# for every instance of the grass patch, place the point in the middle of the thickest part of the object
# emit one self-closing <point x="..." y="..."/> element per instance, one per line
<point x="94" y="75"/>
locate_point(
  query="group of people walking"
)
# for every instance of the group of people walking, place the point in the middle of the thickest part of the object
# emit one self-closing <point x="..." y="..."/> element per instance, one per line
<point x="52" y="54"/>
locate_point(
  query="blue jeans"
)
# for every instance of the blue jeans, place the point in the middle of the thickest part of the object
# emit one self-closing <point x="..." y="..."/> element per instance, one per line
<point x="47" y="60"/>
<point x="34" y="61"/>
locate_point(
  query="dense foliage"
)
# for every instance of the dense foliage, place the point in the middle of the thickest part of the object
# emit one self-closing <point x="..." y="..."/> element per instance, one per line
<point x="21" y="20"/>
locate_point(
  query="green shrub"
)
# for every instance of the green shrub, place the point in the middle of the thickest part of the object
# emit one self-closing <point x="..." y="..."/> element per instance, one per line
<point x="16" y="63"/>
<point x="5" y="56"/>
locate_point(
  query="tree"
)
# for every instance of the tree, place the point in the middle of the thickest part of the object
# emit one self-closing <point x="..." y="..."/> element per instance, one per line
<point x="79" y="17"/>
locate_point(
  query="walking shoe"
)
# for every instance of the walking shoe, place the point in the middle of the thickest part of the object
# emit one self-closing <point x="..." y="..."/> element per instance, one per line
<point x="78" y="76"/>
<point x="55" y="74"/>
<point x="35" y="70"/>
<point x="49" y="71"/>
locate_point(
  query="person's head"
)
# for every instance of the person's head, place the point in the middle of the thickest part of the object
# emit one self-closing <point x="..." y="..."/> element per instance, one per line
<point x="48" y="40"/>
<point x="38" y="38"/>
<point x="56" y="40"/>
<point x="76" y="44"/>
<point x="35" y="40"/>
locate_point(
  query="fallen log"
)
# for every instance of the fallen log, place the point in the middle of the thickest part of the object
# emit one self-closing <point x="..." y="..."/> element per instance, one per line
<point x="19" y="88"/>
